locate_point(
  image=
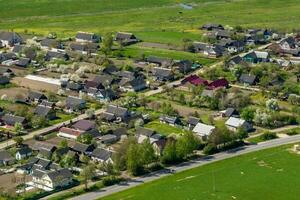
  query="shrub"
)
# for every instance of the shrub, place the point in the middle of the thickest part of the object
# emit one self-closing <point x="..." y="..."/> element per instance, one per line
<point x="268" y="136"/>
<point x="111" y="180"/>
<point x="210" y="149"/>
<point x="293" y="132"/>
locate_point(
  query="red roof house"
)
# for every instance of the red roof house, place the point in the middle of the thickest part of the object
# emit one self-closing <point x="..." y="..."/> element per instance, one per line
<point x="220" y="83"/>
<point x="195" y="80"/>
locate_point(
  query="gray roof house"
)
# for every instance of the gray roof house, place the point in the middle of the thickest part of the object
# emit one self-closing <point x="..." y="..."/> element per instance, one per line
<point x="192" y="122"/>
<point x="48" y="43"/>
<point x="23" y="152"/>
<point x="4" y="80"/>
<point x="6" y="158"/>
<point x="11" y="120"/>
<point x="102" y="155"/>
<point x="45" y="111"/>
<point x="169" y="120"/>
<point x="116" y="112"/>
<point x="87" y="37"/>
<point x="74" y="104"/>
<point x="234" y="124"/>
<point x="36" y="96"/>
<point x="10" y="38"/>
<point x="248" y="79"/>
<point x="126" y="38"/>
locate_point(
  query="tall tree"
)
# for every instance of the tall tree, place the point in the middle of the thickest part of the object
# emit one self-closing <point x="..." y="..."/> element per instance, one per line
<point x="107" y="44"/>
<point x="134" y="161"/>
<point x="170" y="154"/>
<point x="87" y="173"/>
<point x="147" y="151"/>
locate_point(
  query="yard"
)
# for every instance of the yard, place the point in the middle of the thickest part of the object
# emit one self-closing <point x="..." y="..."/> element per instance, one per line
<point x="268" y="174"/>
<point x="165" y="129"/>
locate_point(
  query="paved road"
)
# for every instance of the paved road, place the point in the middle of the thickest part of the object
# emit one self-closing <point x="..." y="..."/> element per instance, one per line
<point x="47" y="130"/>
<point x="188" y="165"/>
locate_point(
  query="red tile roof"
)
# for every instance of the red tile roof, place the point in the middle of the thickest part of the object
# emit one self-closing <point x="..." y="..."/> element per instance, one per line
<point x="70" y="131"/>
<point x="195" y="80"/>
<point x="218" y="84"/>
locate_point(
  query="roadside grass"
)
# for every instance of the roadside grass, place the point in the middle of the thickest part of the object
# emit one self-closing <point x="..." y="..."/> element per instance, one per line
<point x="61" y="117"/>
<point x="244" y="177"/>
<point x="165" y="129"/>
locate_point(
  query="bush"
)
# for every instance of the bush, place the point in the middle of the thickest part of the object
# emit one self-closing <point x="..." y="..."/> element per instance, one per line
<point x="268" y="136"/>
<point x="293" y="132"/>
<point x="210" y="149"/>
<point x="111" y="180"/>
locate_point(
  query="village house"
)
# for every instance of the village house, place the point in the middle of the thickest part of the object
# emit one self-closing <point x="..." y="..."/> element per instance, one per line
<point x="194" y="80"/>
<point x="36" y="97"/>
<point x="56" y="55"/>
<point x="6" y="158"/>
<point x="44" y="149"/>
<point x="234" y="124"/>
<point x="169" y="120"/>
<point x="160" y="61"/>
<point x="135" y="85"/>
<point x="4" y="80"/>
<point x="49" y="180"/>
<point x="192" y="122"/>
<point x="5" y="71"/>
<point x="114" y="112"/>
<point x="126" y="38"/>
<point x="257" y="57"/>
<point x="102" y="155"/>
<point x="23" y="62"/>
<point x="74" y="86"/>
<point x="83" y="148"/>
<point x="183" y="66"/>
<point x="69" y="133"/>
<point x="248" y="79"/>
<point x="75" y="104"/>
<point x="84" y="48"/>
<point x="163" y="74"/>
<point x="104" y="95"/>
<point x="159" y="146"/>
<point x="203" y="130"/>
<point x="49" y="43"/>
<point x="23" y="153"/>
<point x="45" y="111"/>
<point x="219" y="83"/>
<point x="11" y="120"/>
<point x="211" y="27"/>
<point x="229" y="112"/>
<point x="108" y="139"/>
<point x="8" y="39"/>
<point x="143" y="134"/>
<point x="87" y="37"/>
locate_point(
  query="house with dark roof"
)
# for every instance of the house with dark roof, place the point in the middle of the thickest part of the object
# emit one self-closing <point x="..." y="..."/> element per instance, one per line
<point x="219" y="83"/>
<point x="44" y="149"/>
<point x="192" y="122"/>
<point x="211" y="27"/>
<point x="257" y="57"/>
<point x="169" y="120"/>
<point x="45" y="111"/>
<point x="23" y="153"/>
<point x="289" y="43"/>
<point x="120" y="132"/>
<point x="248" y="79"/>
<point x="114" y="112"/>
<point x="11" y="120"/>
<point x="4" y="80"/>
<point x="102" y="155"/>
<point x="104" y="95"/>
<point x="84" y="48"/>
<point x="84" y="125"/>
<point x="134" y="85"/>
<point x="10" y="38"/>
<point x="49" y="43"/>
<point x="108" y="139"/>
<point x="82" y="148"/>
<point x="5" y="71"/>
<point x="110" y="70"/>
<point x="183" y="66"/>
<point x="87" y="37"/>
<point x="23" y="62"/>
<point x="36" y="97"/>
<point x="18" y="49"/>
<point x="74" y="104"/>
<point x="73" y="86"/>
<point x="160" y="61"/>
<point x="56" y="55"/>
<point x="229" y="112"/>
<point x="163" y="74"/>
<point x="126" y="38"/>
<point x="220" y="34"/>
<point x="6" y="158"/>
<point x="194" y="80"/>
<point x="200" y="47"/>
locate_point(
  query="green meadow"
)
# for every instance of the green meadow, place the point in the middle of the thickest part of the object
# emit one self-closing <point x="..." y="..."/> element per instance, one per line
<point x="162" y="21"/>
<point x="267" y="174"/>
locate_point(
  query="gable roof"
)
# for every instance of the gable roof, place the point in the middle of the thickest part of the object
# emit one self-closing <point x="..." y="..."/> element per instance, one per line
<point x="12" y="119"/>
<point x="235" y="122"/>
<point x="91" y="37"/>
<point x="247" y="78"/>
<point x="145" y="131"/>
<point x="23" y="62"/>
<point x="117" y="110"/>
<point x="203" y="129"/>
<point x="195" y="80"/>
<point x="70" y="131"/>
<point x="159" y="60"/>
<point x="101" y="154"/>
<point x="24" y="151"/>
<point x="36" y="95"/>
<point x="82" y="148"/>
<point x="193" y="120"/>
<point x="5" y="156"/>
<point x="59" y="175"/>
<point x="218" y="83"/>
<point x="47" y="42"/>
<point x="41" y="110"/>
<point x="74" y="102"/>
<point x="4" y="80"/>
<point x="84" y="125"/>
<point x="10" y="36"/>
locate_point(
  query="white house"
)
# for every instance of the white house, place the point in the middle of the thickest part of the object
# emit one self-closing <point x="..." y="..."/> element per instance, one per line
<point x="234" y="124"/>
<point x="102" y="155"/>
<point x="50" y="180"/>
<point x="203" y="130"/>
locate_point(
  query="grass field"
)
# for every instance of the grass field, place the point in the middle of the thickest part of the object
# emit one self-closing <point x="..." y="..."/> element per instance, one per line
<point x="164" y="129"/>
<point x="157" y="21"/>
<point x="268" y="174"/>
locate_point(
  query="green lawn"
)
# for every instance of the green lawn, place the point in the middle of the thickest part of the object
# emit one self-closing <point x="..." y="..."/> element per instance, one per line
<point x="61" y="117"/>
<point x="164" y="129"/>
<point x="157" y="21"/>
<point x="268" y="174"/>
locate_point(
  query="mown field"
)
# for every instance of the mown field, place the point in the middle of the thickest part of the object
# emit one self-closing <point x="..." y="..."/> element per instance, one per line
<point x="268" y="174"/>
<point x="156" y="21"/>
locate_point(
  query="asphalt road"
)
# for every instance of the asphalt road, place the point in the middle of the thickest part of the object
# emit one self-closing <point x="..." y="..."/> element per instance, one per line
<point x="188" y="165"/>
